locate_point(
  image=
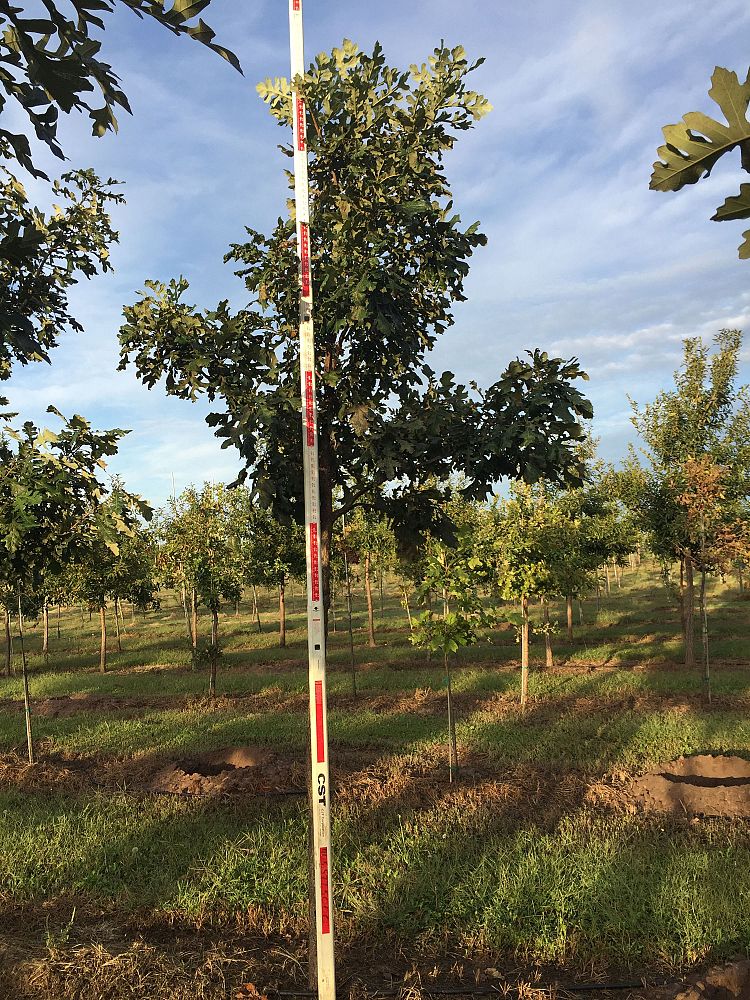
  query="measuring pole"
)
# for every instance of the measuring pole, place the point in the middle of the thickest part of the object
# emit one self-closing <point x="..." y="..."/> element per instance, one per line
<point x="320" y="805"/>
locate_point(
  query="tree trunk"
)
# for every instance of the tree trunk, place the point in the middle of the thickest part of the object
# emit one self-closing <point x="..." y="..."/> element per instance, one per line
<point x="256" y="609"/>
<point x="103" y="639"/>
<point x="214" y="652"/>
<point x="58" y="621"/>
<point x="569" y="609"/>
<point x="689" y="613"/>
<point x="8" y="643"/>
<point x="524" y="650"/>
<point x="45" y="630"/>
<point x="452" y="747"/>
<point x="382" y="608"/>
<point x="740" y="579"/>
<point x="606" y="570"/>
<point x="548" y="658"/>
<point x="188" y="629"/>
<point x="25" y="673"/>
<point x="194" y="622"/>
<point x="704" y="635"/>
<point x="117" y="625"/>
<point x="368" y="594"/>
<point x="351" y="629"/>
<point x="282" y="614"/>
<point x="682" y="598"/>
<point x="408" y="610"/>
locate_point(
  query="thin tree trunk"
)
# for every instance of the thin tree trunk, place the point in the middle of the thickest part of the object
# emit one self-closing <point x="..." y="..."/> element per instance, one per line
<point x="740" y="579"/>
<point x="188" y="629"/>
<point x="282" y="614"/>
<point x="598" y="594"/>
<point x="689" y="613"/>
<point x="237" y="608"/>
<point x="256" y="609"/>
<point x="683" y="624"/>
<point x="704" y="634"/>
<point x="8" y="643"/>
<point x="569" y="609"/>
<point x="194" y="622"/>
<point x="408" y="609"/>
<point x="580" y="611"/>
<point x="368" y="594"/>
<point x="382" y="609"/>
<point x="58" y="621"/>
<point x="25" y="673"/>
<point x="45" y="630"/>
<point x="103" y="639"/>
<point x="452" y="747"/>
<point x="214" y="652"/>
<point x="606" y="570"/>
<point x="618" y="575"/>
<point x="548" y="658"/>
<point x="351" y="629"/>
<point x="117" y="625"/>
<point x="524" y="650"/>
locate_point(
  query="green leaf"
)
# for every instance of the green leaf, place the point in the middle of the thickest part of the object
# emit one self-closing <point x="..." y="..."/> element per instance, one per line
<point x="735" y="207"/>
<point x="695" y="144"/>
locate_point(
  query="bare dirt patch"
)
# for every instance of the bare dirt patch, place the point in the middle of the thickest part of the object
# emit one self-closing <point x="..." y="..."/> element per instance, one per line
<point x="237" y="770"/>
<point x="701" y="784"/>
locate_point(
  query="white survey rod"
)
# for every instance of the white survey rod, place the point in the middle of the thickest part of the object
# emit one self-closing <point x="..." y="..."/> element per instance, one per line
<point x="321" y="812"/>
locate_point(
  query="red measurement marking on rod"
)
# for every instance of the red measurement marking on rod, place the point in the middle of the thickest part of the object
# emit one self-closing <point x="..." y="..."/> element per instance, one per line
<point x="297" y="5"/>
<point x="309" y="409"/>
<point x="325" y="906"/>
<point x="305" y="255"/>
<point x="314" y="559"/>
<point x="300" y="125"/>
<point x="319" y="733"/>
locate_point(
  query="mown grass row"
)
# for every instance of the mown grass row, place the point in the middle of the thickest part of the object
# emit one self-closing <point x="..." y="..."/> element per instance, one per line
<point x="612" y="891"/>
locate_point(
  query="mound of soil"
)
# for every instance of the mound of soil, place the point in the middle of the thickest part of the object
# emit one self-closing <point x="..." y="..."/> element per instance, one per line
<point x="701" y="784"/>
<point x="723" y="982"/>
<point x="238" y="770"/>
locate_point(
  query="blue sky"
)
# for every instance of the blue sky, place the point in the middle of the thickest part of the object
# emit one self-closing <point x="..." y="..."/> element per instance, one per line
<point x="582" y="258"/>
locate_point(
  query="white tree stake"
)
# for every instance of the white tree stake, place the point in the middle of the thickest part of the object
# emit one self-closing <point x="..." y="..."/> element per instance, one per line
<point x="321" y="812"/>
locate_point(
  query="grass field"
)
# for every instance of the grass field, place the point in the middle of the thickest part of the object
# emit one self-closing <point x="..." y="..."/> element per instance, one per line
<point x="534" y="863"/>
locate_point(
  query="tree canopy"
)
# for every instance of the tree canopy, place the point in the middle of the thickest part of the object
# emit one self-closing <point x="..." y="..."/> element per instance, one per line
<point x="390" y="256"/>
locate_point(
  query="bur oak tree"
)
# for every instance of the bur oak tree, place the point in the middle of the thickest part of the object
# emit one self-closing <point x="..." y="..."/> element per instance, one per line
<point x="706" y="415"/>
<point x="389" y="257"/>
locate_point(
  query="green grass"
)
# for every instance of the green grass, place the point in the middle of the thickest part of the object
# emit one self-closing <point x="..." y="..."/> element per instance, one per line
<point x="542" y="882"/>
<point x="620" y="891"/>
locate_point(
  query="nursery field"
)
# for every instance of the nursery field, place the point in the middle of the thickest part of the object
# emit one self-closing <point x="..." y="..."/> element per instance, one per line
<point x="158" y="846"/>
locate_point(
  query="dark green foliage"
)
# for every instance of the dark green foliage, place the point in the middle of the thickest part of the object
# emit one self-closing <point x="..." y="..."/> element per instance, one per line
<point x="52" y="63"/>
<point x="41" y="257"/>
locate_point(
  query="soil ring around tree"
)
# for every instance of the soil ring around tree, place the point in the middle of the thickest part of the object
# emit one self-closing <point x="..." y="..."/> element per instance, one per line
<point x="696" y="785"/>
